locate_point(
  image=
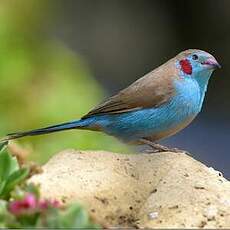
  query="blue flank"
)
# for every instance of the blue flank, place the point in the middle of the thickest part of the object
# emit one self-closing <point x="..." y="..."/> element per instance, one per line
<point x="131" y="126"/>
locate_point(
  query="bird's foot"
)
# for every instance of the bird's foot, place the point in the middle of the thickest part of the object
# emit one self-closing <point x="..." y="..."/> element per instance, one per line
<point x="156" y="148"/>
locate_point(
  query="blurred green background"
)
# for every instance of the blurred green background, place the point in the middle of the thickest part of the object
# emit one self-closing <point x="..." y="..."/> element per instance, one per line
<point x="43" y="82"/>
<point x="59" y="58"/>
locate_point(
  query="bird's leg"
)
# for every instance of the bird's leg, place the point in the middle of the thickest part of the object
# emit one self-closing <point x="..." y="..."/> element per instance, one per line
<point x="160" y="148"/>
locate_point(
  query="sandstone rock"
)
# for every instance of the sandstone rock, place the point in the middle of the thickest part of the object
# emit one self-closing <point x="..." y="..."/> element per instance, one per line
<point x="159" y="190"/>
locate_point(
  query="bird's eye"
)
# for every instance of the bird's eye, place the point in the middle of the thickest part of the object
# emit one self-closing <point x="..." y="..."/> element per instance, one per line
<point x="195" y="57"/>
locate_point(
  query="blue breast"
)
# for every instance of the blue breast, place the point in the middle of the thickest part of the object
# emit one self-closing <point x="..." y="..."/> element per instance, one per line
<point x="131" y="126"/>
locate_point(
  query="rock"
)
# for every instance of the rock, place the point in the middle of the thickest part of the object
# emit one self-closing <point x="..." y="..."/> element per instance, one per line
<point x="159" y="190"/>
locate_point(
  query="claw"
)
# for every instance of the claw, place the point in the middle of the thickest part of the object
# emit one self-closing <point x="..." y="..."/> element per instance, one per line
<point x="160" y="148"/>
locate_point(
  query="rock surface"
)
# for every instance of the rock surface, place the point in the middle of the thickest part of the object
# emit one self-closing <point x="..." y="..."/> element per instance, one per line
<point x="160" y="190"/>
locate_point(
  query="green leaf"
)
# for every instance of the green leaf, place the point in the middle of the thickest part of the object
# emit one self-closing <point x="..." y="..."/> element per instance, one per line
<point x="76" y="217"/>
<point x="8" y="164"/>
<point x="14" y="179"/>
<point x="10" y="173"/>
<point x="6" y="218"/>
<point x="2" y="185"/>
<point x="73" y="216"/>
<point x="51" y="220"/>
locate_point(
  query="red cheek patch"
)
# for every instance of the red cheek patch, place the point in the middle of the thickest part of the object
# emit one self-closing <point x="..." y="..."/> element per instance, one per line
<point x="186" y="66"/>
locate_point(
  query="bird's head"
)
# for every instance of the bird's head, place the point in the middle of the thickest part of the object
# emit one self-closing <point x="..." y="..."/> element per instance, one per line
<point x="196" y="63"/>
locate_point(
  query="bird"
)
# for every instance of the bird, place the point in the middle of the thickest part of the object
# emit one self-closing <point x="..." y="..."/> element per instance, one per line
<point x="154" y="107"/>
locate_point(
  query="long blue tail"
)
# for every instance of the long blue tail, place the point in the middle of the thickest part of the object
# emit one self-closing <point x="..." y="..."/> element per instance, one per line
<point x="50" y="129"/>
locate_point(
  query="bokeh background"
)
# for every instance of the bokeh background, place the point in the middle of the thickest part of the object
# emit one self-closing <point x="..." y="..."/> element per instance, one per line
<point x="58" y="58"/>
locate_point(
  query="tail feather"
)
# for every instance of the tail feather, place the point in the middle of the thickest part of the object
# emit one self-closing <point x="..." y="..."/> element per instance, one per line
<point x="46" y="130"/>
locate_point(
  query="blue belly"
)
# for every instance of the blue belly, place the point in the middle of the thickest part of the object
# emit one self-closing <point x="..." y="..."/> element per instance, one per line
<point x="149" y="122"/>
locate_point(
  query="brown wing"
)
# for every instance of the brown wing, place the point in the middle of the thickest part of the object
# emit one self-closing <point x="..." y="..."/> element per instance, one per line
<point x="152" y="90"/>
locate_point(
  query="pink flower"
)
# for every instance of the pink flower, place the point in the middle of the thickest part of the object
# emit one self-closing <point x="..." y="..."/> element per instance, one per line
<point x="18" y="207"/>
<point x="44" y="204"/>
<point x="30" y="201"/>
<point x="30" y="204"/>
